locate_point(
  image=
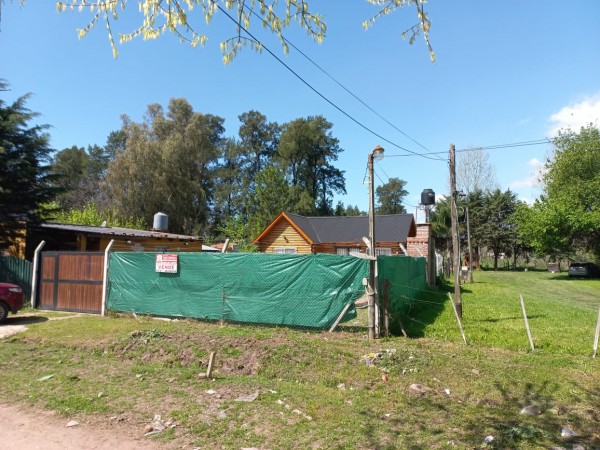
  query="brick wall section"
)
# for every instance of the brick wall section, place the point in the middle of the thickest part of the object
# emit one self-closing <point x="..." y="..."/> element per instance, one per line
<point x="420" y="246"/>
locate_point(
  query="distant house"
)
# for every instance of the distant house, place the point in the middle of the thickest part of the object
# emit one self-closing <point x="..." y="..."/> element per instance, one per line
<point x="292" y="233"/>
<point x="70" y="237"/>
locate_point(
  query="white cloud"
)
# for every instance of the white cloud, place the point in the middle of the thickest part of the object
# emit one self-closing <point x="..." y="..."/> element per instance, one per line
<point x="536" y="167"/>
<point x="576" y="115"/>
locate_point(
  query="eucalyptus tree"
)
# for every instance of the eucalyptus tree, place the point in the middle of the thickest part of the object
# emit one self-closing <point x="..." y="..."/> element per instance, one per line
<point x="168" y="164"/>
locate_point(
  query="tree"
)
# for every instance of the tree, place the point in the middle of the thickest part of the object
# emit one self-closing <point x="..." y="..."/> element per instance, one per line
<point x="272" y="196"/>
<point x="306" y="151"/>
<point x="168" y="165"/>
<point x="80" y="174"/>
<point x="565" y="219"/>
<point x="497" y="231"/>
<point x="230" y="192"/>
<point x="474" y="172"/>
<point x="115" y="143"/>
<point x="91" y="215"/>
<point x="354" y="211"/>
<point x="239" y="232"/>
<point x="390" y="197"/>
<point x="181" y="17"/>
<point x="25" y="178"/>
<point x="257" y="145"/>
<point x="258" y="139"/>
<point x="441" y="225"/>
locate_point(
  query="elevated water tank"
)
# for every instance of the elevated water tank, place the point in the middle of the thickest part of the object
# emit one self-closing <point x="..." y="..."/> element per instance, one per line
<point x="427" y="197"/>
<point x="161" y="222"/>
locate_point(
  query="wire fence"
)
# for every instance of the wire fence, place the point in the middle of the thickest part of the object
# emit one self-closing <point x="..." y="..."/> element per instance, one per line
<point x="302" y="291"/>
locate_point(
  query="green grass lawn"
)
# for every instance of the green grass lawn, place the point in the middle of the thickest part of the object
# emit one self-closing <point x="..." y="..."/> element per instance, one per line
<point x="562" y="312"/>
<point x="327" y="390"/>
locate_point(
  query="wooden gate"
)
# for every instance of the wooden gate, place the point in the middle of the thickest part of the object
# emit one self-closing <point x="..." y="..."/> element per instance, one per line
<point x="71" y="281"/>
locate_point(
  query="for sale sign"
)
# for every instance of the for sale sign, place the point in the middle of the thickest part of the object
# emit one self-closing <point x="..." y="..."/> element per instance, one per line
<point x="166" y="263"/>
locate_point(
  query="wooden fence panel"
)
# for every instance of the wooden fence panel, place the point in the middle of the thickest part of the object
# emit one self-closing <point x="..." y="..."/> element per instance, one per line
<point x="72" y="281"/>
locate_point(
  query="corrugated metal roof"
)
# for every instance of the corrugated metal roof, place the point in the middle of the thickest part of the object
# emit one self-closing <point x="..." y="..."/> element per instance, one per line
<point x="388" y="228"/>
<point x="117" y="232"/>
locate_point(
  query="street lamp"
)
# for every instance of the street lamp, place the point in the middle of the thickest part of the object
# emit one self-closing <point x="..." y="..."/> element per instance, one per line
<point x="376" y="154"/>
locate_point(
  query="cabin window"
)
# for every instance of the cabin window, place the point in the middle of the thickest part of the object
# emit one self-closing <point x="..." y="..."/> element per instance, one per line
<point x="345" y="251"/>
<point x="286" y="250"/>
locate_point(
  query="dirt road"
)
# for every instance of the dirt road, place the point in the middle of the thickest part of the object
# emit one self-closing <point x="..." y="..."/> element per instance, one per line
<point x="24" y="429"/>
<point x="28" y="429"/>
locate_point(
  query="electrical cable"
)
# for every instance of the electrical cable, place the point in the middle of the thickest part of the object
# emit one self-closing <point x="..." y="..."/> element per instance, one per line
<point x="360" y="124"/>
<point x="488" y="147"/>
<point x="356" y="97"/>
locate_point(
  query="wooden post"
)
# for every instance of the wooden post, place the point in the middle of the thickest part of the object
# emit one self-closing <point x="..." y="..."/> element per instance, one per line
<point x="460" y="327"/>
<point x="386" y="308"/>
<point x="455" y="240"/>
<point x="404" y="333"/>
<point x="211" y="362"/>
<point x="341" y="316"/>
<point x="597" y="335"/>
<point x="527" y="323"/>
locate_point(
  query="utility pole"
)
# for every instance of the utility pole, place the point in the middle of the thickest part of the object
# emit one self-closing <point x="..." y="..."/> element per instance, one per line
<point x="373" y="328"/>
<point x="455" y="240"/>
<point x="371" y="285"/>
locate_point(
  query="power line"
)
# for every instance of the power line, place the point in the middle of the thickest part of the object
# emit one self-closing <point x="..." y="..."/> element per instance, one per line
<point x="488" y="147"/>
<point x="378" y="177"/>
<point x="360" y="124"/>
<point x="381" y="167"/>
<point x="314" y="63"/>
<point x="511" y="145"/>
<point x="356" y="97"/>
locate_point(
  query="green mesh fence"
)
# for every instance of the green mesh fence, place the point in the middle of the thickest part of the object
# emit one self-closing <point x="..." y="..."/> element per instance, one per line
<point x="406" y="280"/>
<point x="295" y="290"/>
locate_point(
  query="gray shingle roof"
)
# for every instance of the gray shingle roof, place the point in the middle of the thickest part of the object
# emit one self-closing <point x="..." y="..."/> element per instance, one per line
<point x="388" y="228"/>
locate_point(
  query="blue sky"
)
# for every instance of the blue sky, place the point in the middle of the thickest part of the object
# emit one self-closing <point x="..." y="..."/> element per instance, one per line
<point x="505" y="72"/>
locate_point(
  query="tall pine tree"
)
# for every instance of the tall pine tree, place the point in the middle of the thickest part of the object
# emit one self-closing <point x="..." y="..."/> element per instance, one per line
<point x="24" y="174"/>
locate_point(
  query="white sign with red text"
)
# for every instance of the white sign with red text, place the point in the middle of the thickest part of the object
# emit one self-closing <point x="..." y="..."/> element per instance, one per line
<point x="166" y="263"/>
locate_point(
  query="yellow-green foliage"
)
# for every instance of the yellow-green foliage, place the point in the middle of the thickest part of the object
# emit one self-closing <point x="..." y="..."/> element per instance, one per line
<point x="91" y="215"/>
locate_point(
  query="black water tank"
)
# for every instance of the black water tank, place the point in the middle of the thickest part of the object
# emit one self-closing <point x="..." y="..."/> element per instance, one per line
<point x="427" y="197"/>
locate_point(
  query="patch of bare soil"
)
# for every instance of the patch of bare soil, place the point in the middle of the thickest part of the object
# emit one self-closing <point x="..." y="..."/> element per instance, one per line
<point x="235" y="355"/>
<point x="28" y="429"/>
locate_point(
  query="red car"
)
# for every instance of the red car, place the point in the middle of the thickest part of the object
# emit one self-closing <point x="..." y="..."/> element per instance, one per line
<point x="11" y="299"/>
